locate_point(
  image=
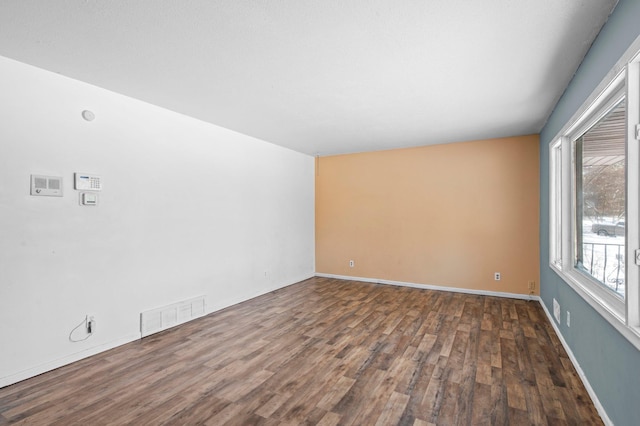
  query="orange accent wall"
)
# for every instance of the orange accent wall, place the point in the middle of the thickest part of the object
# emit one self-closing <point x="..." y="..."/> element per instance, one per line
<point x="448" y="215"/>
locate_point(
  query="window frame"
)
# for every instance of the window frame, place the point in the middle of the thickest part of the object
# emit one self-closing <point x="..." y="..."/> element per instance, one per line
<point x="605" y="104"/>
<point x="623" y="81"/>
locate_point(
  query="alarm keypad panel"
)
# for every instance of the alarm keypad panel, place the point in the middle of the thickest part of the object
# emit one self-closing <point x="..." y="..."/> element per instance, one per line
<point x="88" y="182"/>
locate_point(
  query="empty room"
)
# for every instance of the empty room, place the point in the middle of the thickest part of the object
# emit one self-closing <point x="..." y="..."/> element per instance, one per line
<point x="415" y="212"/>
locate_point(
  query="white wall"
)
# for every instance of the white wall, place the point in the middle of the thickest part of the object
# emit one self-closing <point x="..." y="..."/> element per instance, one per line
<point x="187" y="209"/>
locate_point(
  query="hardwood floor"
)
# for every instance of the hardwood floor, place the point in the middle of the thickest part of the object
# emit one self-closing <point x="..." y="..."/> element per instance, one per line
<point x="325" y="352"/>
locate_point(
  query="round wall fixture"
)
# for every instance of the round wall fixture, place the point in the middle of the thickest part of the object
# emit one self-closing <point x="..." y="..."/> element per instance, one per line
<point x="88" y="115"/>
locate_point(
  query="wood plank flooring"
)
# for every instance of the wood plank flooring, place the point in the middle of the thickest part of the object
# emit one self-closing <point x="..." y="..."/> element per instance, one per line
<point x="325" y="352"/>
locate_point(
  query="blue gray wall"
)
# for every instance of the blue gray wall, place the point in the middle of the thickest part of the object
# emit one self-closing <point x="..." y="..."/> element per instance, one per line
<point x="610" y="362"/>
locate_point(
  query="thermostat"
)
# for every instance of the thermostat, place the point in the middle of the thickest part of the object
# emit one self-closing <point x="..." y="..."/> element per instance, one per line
<point x="89" y="199"/>
<point x="84" y="181"/>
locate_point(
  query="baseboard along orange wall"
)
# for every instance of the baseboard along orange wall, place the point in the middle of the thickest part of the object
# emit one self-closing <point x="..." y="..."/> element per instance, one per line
<point x="448" y="215"/>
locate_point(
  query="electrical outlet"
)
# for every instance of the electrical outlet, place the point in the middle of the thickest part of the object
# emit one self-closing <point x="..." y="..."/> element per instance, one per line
<point x="351" y="264"/>
<point x="568" y="319"/>
<point x="90" y="323"/>
<point x="532" y="285"/>
<point x="497" y="276"/>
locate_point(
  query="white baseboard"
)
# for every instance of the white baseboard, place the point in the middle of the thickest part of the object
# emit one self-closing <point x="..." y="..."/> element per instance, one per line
<point x="596" y="402"/>
<point x="432" y="287"/>
<point x="77" y="356"/>
<point x="215" y="307"/>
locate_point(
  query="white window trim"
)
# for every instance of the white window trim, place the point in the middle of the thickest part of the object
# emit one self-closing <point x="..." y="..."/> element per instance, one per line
<point x="622" y="81"/>
<point x="555" y="204"/>
<point x="633" y="187"/>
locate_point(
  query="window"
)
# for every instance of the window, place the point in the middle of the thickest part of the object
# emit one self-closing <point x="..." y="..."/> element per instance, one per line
<point x="600" y="186"/>
<point x="594" y="205"/>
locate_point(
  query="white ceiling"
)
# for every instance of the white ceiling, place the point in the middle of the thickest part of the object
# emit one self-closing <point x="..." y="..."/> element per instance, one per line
<point x="325" y="76"/>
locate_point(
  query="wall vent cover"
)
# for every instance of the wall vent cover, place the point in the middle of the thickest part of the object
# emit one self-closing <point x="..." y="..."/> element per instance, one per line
<point x="169" y="316"/>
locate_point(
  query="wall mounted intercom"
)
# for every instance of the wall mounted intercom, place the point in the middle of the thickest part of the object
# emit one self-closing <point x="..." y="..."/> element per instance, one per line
<point x="46" y="185"/>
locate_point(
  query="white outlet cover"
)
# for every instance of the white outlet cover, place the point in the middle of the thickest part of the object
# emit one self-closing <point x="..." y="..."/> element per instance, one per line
<point x="556" y="310"/>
